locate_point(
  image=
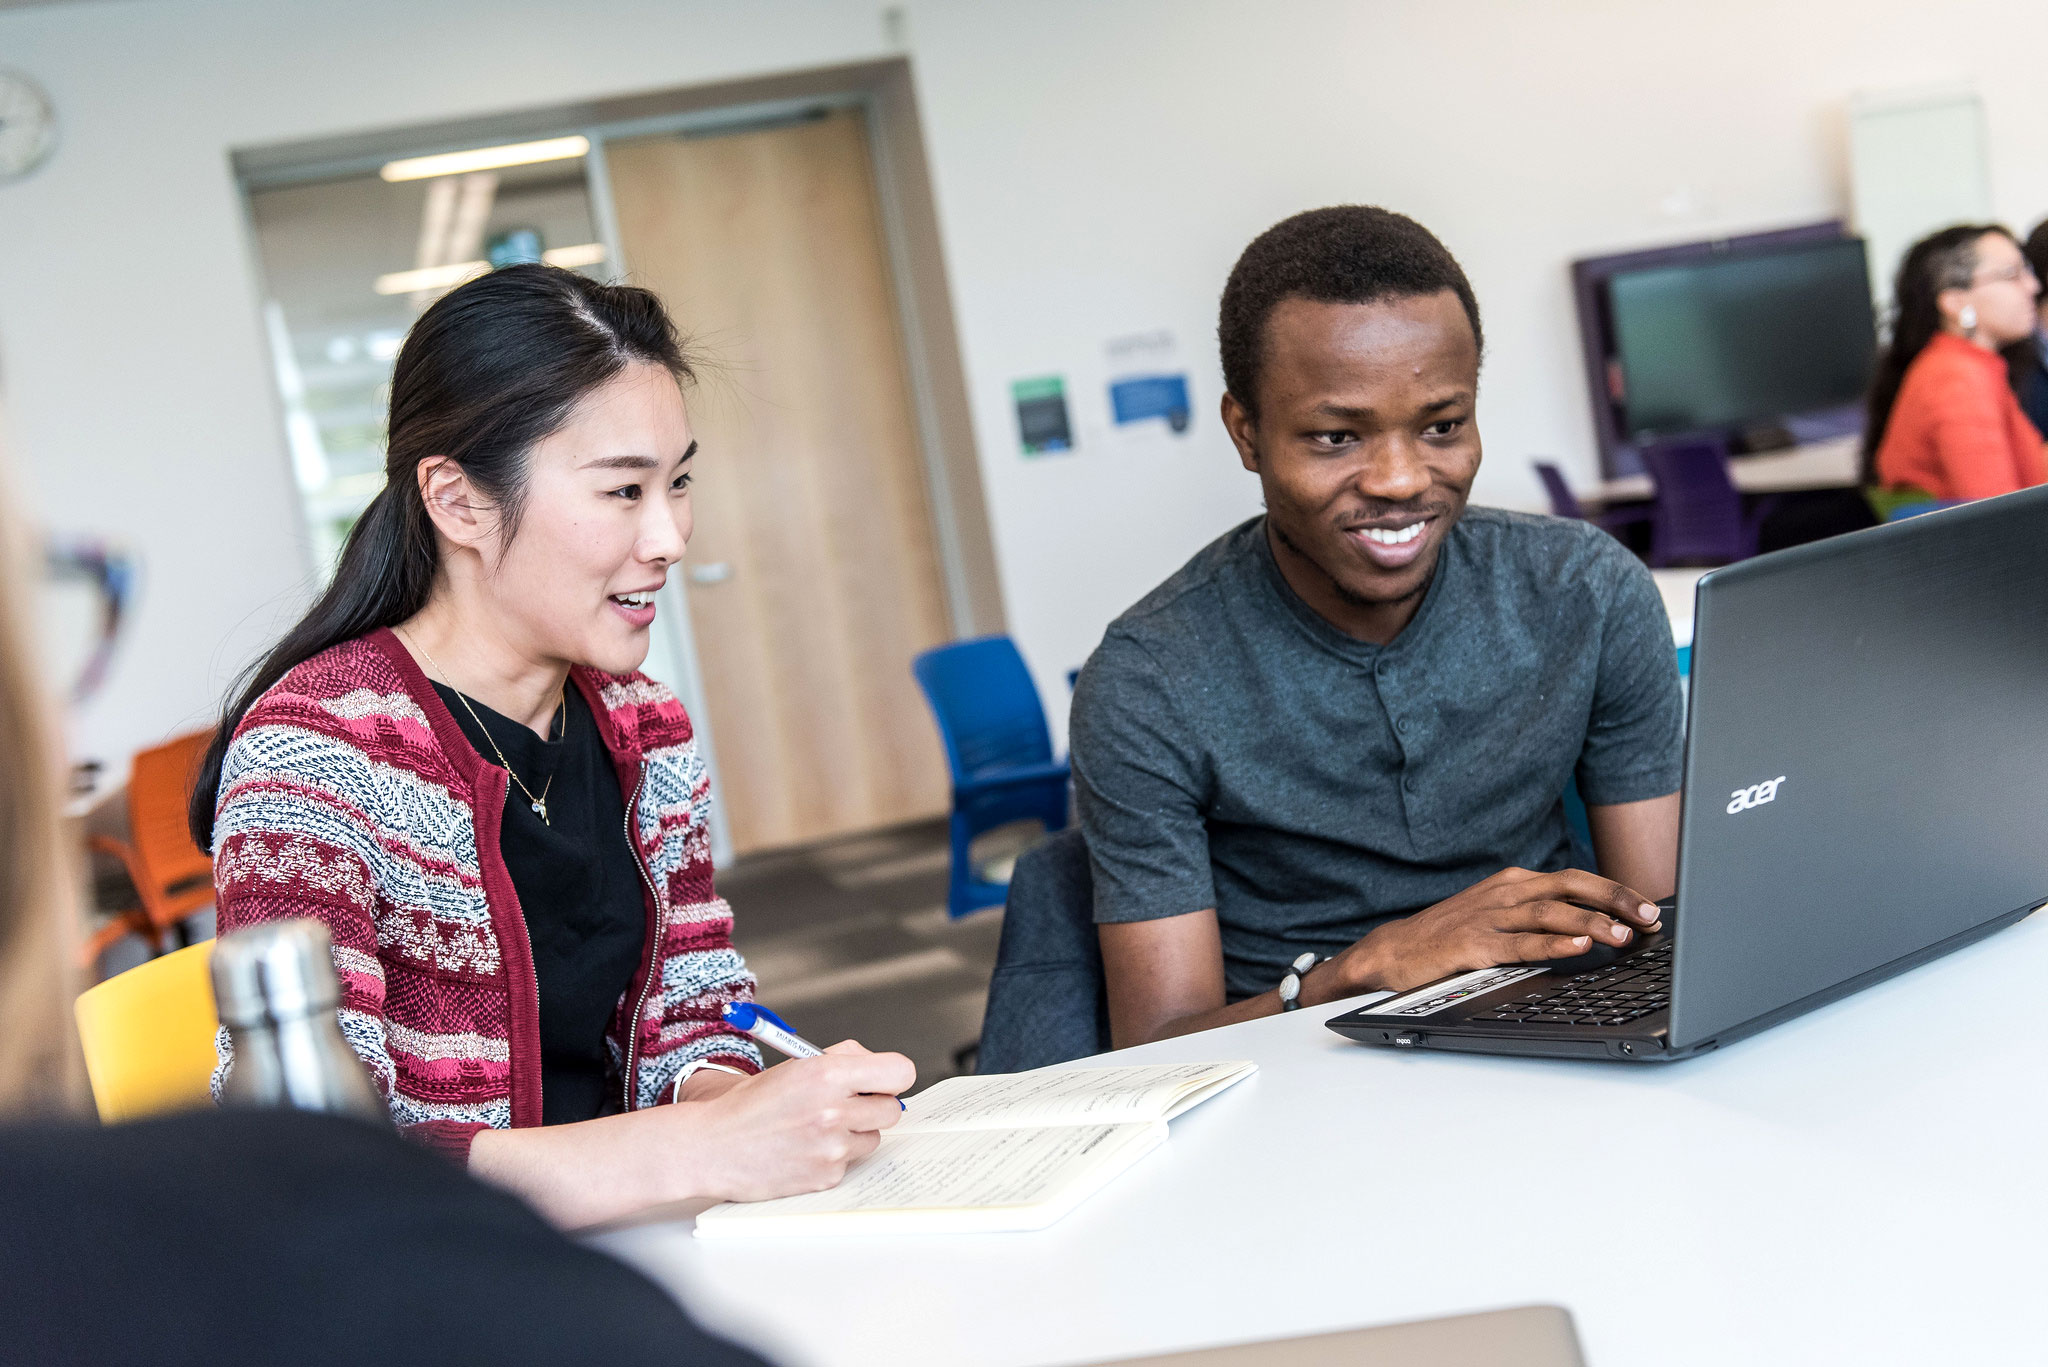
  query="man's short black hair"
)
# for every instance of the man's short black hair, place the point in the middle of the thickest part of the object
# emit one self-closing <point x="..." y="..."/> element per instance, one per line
<point x="1346" y="254"/>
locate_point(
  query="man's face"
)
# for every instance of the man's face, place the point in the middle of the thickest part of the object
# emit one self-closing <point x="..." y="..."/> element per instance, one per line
<point x="1366" y="448"/>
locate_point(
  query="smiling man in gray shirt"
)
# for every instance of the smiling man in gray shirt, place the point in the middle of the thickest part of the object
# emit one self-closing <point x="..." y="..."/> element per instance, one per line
<point x="1345" y="727"/>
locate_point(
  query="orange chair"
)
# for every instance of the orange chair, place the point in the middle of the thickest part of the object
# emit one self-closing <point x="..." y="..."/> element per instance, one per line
<point x="173" y="877"/>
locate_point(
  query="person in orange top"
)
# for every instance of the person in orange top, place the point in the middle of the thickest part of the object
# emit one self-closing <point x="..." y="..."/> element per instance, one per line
<point x="1943" y="422"/>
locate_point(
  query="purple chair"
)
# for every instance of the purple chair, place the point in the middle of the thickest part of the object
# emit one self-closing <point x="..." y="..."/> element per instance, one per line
<point x="1563" y="503"/>
<point x="1697" y="516"/>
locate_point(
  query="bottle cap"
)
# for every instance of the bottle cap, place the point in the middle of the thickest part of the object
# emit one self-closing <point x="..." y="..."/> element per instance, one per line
<point x="276" y="971"/>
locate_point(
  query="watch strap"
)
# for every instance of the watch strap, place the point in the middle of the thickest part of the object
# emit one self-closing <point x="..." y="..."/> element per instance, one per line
<point x="675" y="1089"/>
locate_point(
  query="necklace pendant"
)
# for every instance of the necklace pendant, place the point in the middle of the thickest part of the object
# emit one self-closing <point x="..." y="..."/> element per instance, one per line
<point x="540" y="809"/>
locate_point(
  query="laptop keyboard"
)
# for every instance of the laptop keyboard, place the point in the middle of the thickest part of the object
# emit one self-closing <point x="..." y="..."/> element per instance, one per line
<point x="1625" y="990"/>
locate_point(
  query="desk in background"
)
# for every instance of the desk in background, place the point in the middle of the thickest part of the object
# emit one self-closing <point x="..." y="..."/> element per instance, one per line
<point x="1861" y="1185"/>
<point x="1834" y="464"/>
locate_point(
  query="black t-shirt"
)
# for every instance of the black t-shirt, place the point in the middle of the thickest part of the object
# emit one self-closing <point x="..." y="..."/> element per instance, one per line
<point x="259" y="1237"/>
<point x="580" y="887"/>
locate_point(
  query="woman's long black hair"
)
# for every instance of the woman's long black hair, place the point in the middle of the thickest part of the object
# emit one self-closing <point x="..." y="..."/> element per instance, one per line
<point x="1945" y="260"/>
<point x="488" y="371"/>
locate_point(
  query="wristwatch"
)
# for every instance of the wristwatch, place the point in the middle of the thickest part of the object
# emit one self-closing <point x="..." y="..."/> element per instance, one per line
<point x="1290" y="986"/>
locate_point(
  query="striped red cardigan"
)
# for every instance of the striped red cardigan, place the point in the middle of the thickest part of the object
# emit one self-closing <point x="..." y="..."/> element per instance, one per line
<point x="349" y="794"/>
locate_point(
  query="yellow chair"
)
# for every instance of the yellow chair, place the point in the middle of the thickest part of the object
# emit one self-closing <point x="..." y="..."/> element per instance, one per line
<point x="148" y="1036"/>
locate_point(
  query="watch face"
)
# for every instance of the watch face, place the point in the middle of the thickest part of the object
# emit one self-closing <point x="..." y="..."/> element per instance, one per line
<point x="28" y="126"/>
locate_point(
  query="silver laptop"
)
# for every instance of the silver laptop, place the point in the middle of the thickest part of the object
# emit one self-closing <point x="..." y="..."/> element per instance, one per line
<point x="1528" y="1336"/>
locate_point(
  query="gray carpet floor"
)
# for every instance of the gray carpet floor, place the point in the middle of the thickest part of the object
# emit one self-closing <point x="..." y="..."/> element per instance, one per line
<point x="850" y="940"/>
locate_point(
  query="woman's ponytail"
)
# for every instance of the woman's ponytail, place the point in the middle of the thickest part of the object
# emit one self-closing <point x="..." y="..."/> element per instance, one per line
<point x="382" y="578"/>
<point x="489" y="370"/>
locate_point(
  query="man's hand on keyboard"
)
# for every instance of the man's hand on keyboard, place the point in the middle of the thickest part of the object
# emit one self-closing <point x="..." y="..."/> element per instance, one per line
<point x="1516" y="916"/>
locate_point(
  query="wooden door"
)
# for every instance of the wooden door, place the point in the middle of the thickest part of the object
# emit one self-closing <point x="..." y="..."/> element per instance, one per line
<point x="813" y="574"/>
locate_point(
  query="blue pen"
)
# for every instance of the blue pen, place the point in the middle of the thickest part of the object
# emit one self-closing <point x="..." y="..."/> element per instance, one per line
<point x="772" y="1030"/>
<point x="754" y="1019"/>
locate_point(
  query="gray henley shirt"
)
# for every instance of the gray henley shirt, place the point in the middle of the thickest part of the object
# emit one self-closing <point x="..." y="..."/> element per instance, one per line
<point x="1231" y="749"/>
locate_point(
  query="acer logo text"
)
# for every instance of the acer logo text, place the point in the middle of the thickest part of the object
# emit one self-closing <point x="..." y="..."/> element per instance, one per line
<point x="1756" y="795"/>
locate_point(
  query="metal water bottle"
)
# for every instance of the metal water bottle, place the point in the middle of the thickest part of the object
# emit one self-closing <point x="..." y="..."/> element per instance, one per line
<point x="275" y="989"/>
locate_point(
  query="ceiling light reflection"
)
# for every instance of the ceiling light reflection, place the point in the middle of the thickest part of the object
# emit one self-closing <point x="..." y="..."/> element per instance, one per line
<point x="485" y="158"/>
<point x="459" y="272"/>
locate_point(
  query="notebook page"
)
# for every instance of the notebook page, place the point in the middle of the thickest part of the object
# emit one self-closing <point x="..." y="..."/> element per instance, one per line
<point x="950" y="1180"/>
<point x="1073" y="1096"/>
<point x="1198" y="1090"/>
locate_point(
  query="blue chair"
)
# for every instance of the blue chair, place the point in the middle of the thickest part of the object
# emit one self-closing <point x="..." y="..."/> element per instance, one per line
<point x="1047" y="1000"/>
<point x="998" y="748"/>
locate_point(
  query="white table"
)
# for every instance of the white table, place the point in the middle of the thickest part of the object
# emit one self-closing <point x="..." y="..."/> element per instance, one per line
<point x="1862" y="1185"/>
<point x="1832" y="464"/>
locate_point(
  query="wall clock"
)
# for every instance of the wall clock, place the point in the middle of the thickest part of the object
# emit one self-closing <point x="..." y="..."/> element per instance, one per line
<point x="28" y="126"/>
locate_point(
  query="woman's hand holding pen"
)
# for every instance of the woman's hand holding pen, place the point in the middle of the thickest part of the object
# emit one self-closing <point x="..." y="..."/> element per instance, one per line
<point x="795" y="1127"/>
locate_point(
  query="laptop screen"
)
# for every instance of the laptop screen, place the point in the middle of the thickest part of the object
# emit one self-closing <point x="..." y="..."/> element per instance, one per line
<point x="1866" y="759"/>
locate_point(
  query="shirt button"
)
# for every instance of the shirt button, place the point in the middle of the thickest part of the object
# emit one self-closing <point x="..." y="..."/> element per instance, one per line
<point x="1401" y="727"/>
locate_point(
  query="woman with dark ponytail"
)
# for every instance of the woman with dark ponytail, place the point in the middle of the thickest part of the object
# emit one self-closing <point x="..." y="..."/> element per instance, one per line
<point x="453" y="762"/>
<point x="1943" y="423"/>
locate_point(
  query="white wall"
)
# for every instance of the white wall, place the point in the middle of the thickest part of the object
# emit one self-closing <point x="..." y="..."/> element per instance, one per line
<point x="1099" y="163"/>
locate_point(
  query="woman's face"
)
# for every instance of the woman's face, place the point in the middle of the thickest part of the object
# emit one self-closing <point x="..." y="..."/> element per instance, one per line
<point x="2003" y="290"/>
<point x="606" y="513"/>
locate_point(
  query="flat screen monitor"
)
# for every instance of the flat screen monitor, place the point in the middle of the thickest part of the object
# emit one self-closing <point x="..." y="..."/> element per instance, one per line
<point x="1740" y="338"/>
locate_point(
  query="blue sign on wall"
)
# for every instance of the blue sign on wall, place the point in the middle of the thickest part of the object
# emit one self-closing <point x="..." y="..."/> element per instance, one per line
<point x="1140" y="398"/>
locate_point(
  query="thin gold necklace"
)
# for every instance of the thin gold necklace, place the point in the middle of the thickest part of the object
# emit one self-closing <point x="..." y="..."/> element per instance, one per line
<point x="539" y="804"/>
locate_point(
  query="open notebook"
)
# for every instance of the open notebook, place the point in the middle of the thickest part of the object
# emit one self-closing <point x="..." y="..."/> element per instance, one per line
<point x="987" y="1154"/>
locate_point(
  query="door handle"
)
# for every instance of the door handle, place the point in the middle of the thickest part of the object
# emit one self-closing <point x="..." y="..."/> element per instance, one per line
<point x="717" y="572"/>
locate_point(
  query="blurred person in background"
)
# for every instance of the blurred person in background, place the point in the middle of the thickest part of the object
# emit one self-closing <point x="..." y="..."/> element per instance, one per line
<point x="1943" y="423"/>
<point x="454" y="762"/>
<point x="40" y="1072"/>
<point x="246" y="1237"/>
<point x="2029" y="358"/>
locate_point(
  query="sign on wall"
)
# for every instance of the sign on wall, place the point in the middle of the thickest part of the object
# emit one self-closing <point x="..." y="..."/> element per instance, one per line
<point x="1043" y="427"/>
<point x="1148" y="386"/>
